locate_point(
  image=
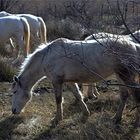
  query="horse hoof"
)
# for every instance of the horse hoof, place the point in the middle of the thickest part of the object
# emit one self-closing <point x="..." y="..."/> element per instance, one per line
<point x="85" y="99"/>
<point x="93" y="97"/>
<point x="85" y="117"/>
<point x="55" y="121"/>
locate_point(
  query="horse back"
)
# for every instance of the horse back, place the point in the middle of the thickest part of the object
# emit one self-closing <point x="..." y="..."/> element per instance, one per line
<point x="10" y="26"/>
<point x="88" y="60"/>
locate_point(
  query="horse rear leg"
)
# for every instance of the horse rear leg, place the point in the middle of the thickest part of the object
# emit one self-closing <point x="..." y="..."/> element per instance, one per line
<point x="11" y="45"/>
<point x="19" y="45"/>
<point x="92" y="91"/>
<point x="89" y="90"/>
<point x="136" y="95"/>
<point x="125" y="77"/>
<point x="78" y="95"/>
<point x="123" y="98"/>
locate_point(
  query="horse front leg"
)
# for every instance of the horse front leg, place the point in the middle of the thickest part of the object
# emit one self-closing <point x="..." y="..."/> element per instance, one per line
<point x="58" y="98"/>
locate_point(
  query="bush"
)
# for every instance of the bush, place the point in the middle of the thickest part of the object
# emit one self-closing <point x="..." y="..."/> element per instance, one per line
<point x="63" y="28"/>
<point x="6" y="71"/>
<point x="5" y="50"/>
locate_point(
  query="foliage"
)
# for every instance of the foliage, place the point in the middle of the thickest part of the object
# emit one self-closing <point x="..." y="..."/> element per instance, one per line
<point x="63" y="28"/>
<point x="6" y="71"/>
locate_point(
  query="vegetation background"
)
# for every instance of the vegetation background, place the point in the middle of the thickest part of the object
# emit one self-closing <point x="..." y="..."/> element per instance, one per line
<point x="73" y="19"/>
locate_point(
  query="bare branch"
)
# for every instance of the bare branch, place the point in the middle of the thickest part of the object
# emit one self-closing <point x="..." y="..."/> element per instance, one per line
<point x="123" y="19"/>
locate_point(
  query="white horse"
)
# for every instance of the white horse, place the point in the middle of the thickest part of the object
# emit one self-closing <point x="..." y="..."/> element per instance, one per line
<point x="70" y="61"/>
<point x="102" y="35"/>
<point x="4" y="13"/>
<point x="17" y="29"/>
<point x="136" y="35"/>
<point x="91" y="89"/>
<point x="37" y="26"/>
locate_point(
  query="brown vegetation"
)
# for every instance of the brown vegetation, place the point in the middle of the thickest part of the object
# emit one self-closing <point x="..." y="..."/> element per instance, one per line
<point x="88" y="16"/>
<point x="71" y="19"/>
<point x="35" y="122"/>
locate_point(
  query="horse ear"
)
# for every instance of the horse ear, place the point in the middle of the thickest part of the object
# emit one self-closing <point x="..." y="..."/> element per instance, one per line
<point x="16" y="79"/>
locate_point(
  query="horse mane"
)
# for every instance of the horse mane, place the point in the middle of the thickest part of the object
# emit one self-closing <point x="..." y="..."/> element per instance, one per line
<point x="28" y="59"/>
<point x="31" y="56"/>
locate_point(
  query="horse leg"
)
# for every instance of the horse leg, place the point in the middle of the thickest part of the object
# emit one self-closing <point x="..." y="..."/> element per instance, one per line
<point x="123" y="98"/>
<point x="84" y="90"/>
<point x="79" y="97"/>
<point x="92" y="91"/>
<point x="127" y="78"/>
<point x="12" y="45"/>
<point x="17" y="51"/>
<point x="136" y="96"/>
<point x="89" y="91"/>
<point x="33" y="41"/>
<point x="95" y="90"/>
<point x="58" y="97"/>
<point x="19" y="44"/>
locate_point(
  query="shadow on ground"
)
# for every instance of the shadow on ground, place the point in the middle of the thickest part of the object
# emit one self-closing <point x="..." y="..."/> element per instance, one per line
<point x="7" y="127"/>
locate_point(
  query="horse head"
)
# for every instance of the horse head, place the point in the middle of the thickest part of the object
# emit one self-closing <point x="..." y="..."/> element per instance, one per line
<point x="20" y="96"/>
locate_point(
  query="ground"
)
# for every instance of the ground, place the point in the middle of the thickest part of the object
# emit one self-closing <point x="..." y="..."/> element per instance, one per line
<point x="35" y="122"/>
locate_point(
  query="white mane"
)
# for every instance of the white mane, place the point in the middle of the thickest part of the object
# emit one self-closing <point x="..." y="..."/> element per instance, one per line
<point x="29" y="57"/>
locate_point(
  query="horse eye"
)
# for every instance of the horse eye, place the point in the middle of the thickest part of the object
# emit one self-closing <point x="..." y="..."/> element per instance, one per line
<point x="14" y="92"/>
<point x="14" y="83"/>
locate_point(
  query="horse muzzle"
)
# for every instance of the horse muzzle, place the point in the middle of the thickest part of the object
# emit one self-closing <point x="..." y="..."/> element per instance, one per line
<point x="14" y="111"/>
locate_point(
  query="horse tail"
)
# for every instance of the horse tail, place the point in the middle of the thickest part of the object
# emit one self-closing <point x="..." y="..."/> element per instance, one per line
<point x="26" y="34"/>
<point x="43" y="30"/>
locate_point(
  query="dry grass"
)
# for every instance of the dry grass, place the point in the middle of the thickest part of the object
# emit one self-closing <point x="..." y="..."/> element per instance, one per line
<point x="7" y="71"/>
<point x="35" y="122"/>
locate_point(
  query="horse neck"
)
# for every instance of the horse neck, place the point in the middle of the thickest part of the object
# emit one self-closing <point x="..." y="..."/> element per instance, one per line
<point x="29" y="77"/>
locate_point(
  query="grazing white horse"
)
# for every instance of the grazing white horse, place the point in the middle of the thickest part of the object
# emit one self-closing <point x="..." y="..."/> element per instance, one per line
<point x="136" y="34"/>
<point x="70" y="61"/>
<point x="37" y="26"/>
<point x="17" y="29"/>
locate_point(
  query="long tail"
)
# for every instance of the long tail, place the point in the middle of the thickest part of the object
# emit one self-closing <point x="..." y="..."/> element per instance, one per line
<point x="26" y="34"/>
<point x="43" y="30"/>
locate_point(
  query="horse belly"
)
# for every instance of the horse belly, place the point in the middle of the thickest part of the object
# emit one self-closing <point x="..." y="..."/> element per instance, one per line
<point x="75" y="72"/>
